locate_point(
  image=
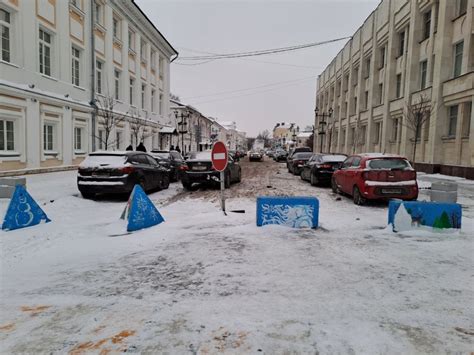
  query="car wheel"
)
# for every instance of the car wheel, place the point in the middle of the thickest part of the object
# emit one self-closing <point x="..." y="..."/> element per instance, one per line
<point x="314" y="180"/>
<point x="357" y="197"/>
<point x="187" y="186"/>
<point x="334" y="186"/>
<point x="173" y="176"/>
<point x="227" y="180"/>
<point x="88" y="195"/>
<point x="165" y="183"/>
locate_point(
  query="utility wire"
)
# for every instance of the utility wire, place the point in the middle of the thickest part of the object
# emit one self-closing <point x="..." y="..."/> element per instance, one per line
<point x="251" y="88"/>
<point x="260" y="52"/>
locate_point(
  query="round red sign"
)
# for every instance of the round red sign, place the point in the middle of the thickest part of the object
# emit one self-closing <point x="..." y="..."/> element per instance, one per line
<point x="219" y="156"/>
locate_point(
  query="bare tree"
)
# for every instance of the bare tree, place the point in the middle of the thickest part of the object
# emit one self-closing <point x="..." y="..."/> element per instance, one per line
<point x="138" y="128"/>
<point x="310" y="141"/>
<point x="109" y="118"/>
<point x="415" y="117"/>
<point x="265" y="136"/>
<point x="250" y="141"/>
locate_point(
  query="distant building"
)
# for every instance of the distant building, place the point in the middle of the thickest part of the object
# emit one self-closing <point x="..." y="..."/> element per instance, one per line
<point x="284" y="134"/>
<point x="405" y="51"/>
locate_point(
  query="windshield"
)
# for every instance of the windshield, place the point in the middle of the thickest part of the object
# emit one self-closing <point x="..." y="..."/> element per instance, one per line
<point x="388" y="164"/>
<point x="94" y="161"/>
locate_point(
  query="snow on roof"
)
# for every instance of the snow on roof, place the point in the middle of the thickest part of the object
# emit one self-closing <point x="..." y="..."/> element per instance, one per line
<point x="304" y="134"/>
<point x="167" y="129"/>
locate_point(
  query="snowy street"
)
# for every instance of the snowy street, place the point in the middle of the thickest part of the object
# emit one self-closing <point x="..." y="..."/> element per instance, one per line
<point x="206" y="283"/>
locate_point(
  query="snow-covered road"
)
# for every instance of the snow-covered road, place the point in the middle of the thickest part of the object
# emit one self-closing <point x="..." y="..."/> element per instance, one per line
<point x="204" y="283"/>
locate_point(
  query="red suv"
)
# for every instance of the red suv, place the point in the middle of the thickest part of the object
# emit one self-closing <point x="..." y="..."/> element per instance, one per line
<point x="376" y="177"/>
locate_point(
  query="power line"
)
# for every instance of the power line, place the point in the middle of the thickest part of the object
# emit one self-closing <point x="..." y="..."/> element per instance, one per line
<point x="250" y="94"/>
<point x="260" y="52"/>
<point x="251" y="88"/>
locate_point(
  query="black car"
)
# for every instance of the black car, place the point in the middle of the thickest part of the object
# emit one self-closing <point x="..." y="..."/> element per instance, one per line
<point x="298" y="160"/>
<point x="293" y="151"/>
<point x="119" y="172"/>
<point x="255" y="156"/>
<point x="172" y="160"/>
<point x="319" y="168"/>
<point x="280" y="155"/>
<point x="200" y="171"/>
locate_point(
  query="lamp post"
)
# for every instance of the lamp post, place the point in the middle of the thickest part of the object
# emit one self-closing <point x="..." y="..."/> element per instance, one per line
<point x="322" y="124"/>
<point x="182" y="125"/>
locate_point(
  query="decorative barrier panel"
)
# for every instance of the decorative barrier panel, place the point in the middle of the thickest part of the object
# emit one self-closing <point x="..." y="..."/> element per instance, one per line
<point x="409" y="215"/>
<point x="295" y="212"/>
<point x="140" y="212"/>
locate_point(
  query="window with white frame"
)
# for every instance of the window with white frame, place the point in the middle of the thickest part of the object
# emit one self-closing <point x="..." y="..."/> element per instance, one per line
<point x="377" y="131"/>
<point x="5" y="30"/>
<point x="398" y="92"/>
<point x="161" y="66"/>
<point x="116" y="27"/>
<point x="98" y="76"/>
<point x="98" y="8"/>
<point x="143" y="50"/>
<point x="458" y="53"/>
<point x="380" y="93"/>
<point x="160" y="104"/>
<point x="45" y="49"/>
<point x="394" y="129"/>
<point x="401" y="43"/>
<point x="131" y="40"/>
<point x="49" y="137"/>
<point x="78" y="139"/>
<point x="466" y="122"/>
<point x="118" y="140"/>
<point x="426" y="25"/>
<point x="143" y="95"/>
<point x="75" y="66"/>
<point x="423" y="73"/>
<point x="131" y="91"/>
<point x="153" y="98"/>
<point x="117" y="84"/>
<point x="453" y="120"/>
<point x="461" y="7"/>
<point x="101" y="138"/>
<point x="7" y="135"/>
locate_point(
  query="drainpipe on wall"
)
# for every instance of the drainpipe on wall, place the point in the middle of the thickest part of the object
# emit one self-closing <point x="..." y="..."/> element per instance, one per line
<point x="92" y="102"/>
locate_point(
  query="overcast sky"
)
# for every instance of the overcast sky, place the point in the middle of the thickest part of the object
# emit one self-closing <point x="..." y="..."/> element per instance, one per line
<point x="283" y="92"/>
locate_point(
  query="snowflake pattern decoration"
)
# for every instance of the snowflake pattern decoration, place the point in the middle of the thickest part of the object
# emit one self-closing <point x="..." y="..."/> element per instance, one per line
<point x="140" y="211"/>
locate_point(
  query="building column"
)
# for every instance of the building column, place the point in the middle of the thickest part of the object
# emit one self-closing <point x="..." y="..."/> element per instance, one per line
<point x="34" y="133"/>
<point x="68" y="136"/>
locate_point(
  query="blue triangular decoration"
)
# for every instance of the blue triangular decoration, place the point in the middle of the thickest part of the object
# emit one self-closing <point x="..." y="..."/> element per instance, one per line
<point x="23" y="211"/>
<point x="142" y="213"/>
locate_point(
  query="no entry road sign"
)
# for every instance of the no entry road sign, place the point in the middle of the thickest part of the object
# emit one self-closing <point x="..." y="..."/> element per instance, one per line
<point x="219" y="156"/>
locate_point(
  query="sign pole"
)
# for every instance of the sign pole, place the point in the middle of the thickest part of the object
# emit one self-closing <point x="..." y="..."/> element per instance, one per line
<point x="222" y="192"/>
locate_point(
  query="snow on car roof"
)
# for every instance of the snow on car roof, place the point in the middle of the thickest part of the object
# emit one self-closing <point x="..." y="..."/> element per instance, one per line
<point x="110" y="152"/>
<point x="379" y="155"/>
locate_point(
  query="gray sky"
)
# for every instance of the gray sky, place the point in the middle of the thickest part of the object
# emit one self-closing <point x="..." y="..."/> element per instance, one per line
<point x="222" y="26"/>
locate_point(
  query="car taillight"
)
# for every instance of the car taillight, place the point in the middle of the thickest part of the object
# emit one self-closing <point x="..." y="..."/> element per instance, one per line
<point x="183" y="168"/>
<point x="326" y="166"/>
<point x="300" y="162"/>
<point x="127" y="169"/>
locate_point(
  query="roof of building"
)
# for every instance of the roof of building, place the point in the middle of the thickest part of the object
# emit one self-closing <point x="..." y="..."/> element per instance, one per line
<point x="304" y="134"/>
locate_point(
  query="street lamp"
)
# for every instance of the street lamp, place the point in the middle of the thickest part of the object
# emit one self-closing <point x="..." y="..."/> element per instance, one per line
<point x="322" y="124"/>
<point x="182" y="125"/>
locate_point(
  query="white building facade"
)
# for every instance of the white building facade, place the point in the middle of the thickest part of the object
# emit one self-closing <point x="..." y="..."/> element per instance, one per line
<point x="405" y="51"/>
<point x="52" y="80"/>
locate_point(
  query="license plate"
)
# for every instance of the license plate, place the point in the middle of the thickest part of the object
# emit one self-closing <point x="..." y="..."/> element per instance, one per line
<point x="391" y="191"/>
<point x="200" y="168"/>
<point x="99" y="175"/>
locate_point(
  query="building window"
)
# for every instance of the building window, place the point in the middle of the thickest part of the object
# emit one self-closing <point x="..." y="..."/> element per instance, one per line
<point x="118" y="140"/>
<point x="7" y="136"/>
<point x="153" y="59"/>
<point x="366" y="100"/>
<point x="131" y="40"/>
<point x="48" y="137"/>
<point x="101" y="144"/>
<point x="98" y="76"/>
<point x="426" y="25"/>
<point x="432" y="69"/>
<point x="466" y="122"/>
<point x="78" y="136"/>
<point x="399" y="86"/>
<point x="356" y="76"/>
<point x="367" y="68"/>
<point x="117" y="84"/>
<point x="394" y="129"/>
<point x="98" y="13"/>
<point x="116" y="28"/>
<point x="377" y="130"/>
<point x="453" y="120"/>
<point x="382" y="57"/>
<point x="45" y="52"/>
<point x="75" y="66"/>
<point x="401" y="43"/>
<point x="461" y="7"/>
<point x="458" y="53"/>
<point x="161" y="66"/>
<point x="423" y="73"/>
<point x="143" y="95"/>
<point x="380" y="93"/>
<point x="143" y="50"/>
<point x="160" y="104"/>
<point x="153" y="92"/>
<point x="131" y="90"/>
<point x="5" y="25"/>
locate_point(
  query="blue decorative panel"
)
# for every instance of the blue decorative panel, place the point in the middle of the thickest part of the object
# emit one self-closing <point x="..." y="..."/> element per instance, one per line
<point x="23" y="211"/>
<point x="407" y="215"/>
<point x="140" y="211"/>
<point x="296" y="212"/>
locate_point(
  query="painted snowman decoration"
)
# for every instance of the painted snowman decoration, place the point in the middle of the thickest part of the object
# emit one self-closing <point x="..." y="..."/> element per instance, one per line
<point x="24" y="216"/>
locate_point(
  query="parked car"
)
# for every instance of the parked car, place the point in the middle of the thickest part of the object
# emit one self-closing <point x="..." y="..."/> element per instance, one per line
<point x="280" y="155"/>
<point x="320" y="167"/>
<point x="199" y="170"/>
<point x="298" y="160"/>
<point x="119" y="172"/>
<point x="255" y="156"/>
<point x="172" y="160"/>
<point x="294" y="151"/>
<point x="270" y="153"/>
<point x="234" y="154"/>
<point x="376" y="177"/>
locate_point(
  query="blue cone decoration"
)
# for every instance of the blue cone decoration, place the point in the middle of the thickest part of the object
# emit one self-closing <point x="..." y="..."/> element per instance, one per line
<point x="140" y="211"/>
